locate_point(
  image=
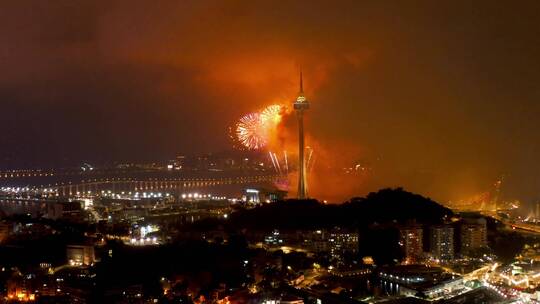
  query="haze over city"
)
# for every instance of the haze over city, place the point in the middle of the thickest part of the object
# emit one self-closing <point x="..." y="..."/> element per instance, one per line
<point x="440" y="98"/>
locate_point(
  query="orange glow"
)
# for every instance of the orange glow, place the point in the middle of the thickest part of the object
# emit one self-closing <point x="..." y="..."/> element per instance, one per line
<point x="22" y="297"/>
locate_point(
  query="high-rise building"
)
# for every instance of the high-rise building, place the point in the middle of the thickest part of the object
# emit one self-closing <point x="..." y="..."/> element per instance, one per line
<point x="300" y="105"/>
<point x="473" y="235"/>
<point x="442" y="242"/>
<point x="412" y="243"/>
<point x="343" y="244"/>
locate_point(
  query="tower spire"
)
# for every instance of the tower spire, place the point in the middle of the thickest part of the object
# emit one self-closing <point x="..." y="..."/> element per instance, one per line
<point x="301" y="83"/>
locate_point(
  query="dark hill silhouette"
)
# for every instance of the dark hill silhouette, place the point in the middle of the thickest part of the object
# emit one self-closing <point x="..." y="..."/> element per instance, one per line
<point x="397" y="205"/>
<point x="384" y="206"/>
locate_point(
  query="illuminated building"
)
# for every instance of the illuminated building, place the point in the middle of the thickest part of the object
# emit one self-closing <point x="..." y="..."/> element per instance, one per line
<point x="412" y="243"/>
<point x="256" y="196"/>
<point x="342" y="244"/>
<point x="79" y="255"/>
<point x="300" y="106"/>
<point x="411" y="280"/>
<point x="286" y="299"/>
<point x="442" y="242"/>
<point x="473" y="235"/>
<point x="273" y="239"/>
<point x="252" y="195"/>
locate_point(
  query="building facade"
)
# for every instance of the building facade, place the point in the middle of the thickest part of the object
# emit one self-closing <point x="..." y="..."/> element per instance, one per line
<point x="442" y="242"/>
<point x="473" y="235"/>
<point x="80" y="255"/>
<point x="412" y="243"/>
<point x="343" y="244"/>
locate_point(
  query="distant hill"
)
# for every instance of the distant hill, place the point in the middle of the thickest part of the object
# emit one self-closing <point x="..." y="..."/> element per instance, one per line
<point x="397" y="205"/>
<point x="384" y="206"/>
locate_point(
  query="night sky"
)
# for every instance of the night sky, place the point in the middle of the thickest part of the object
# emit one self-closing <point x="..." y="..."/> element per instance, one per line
<point x="441" y="97"/>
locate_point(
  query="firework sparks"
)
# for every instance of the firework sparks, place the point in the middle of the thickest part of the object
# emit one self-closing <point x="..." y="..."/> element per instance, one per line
<point x="273" y="161"/>
<point x="277" y="162"/>
<point x="286" y="161"/>
<point x="271" y="115"/>
<point x="310" y="159"/>
<point x="251" y="131"/>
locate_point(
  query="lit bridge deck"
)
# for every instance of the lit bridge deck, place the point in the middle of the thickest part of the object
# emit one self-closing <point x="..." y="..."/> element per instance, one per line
<point x="73" y="182"/>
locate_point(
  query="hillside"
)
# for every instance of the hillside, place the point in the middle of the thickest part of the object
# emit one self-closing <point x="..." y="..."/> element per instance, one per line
<point x="384" y="206"/>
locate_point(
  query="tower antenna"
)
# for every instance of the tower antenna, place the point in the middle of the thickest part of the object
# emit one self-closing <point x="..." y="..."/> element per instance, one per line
<point x="301" y="83"/>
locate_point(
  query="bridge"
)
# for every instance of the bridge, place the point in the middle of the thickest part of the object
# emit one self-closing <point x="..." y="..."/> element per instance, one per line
<point x="487" y="201"/>
<point x="74" y="182"/>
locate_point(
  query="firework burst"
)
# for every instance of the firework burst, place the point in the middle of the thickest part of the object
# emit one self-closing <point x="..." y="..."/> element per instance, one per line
<point x="271" y="115"/>
<point x="253" y="130"/>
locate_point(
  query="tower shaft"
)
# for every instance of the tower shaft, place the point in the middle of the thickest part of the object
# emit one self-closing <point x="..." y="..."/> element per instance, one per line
<point x="302" y="187"/>
<point x="300" y="105"/>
